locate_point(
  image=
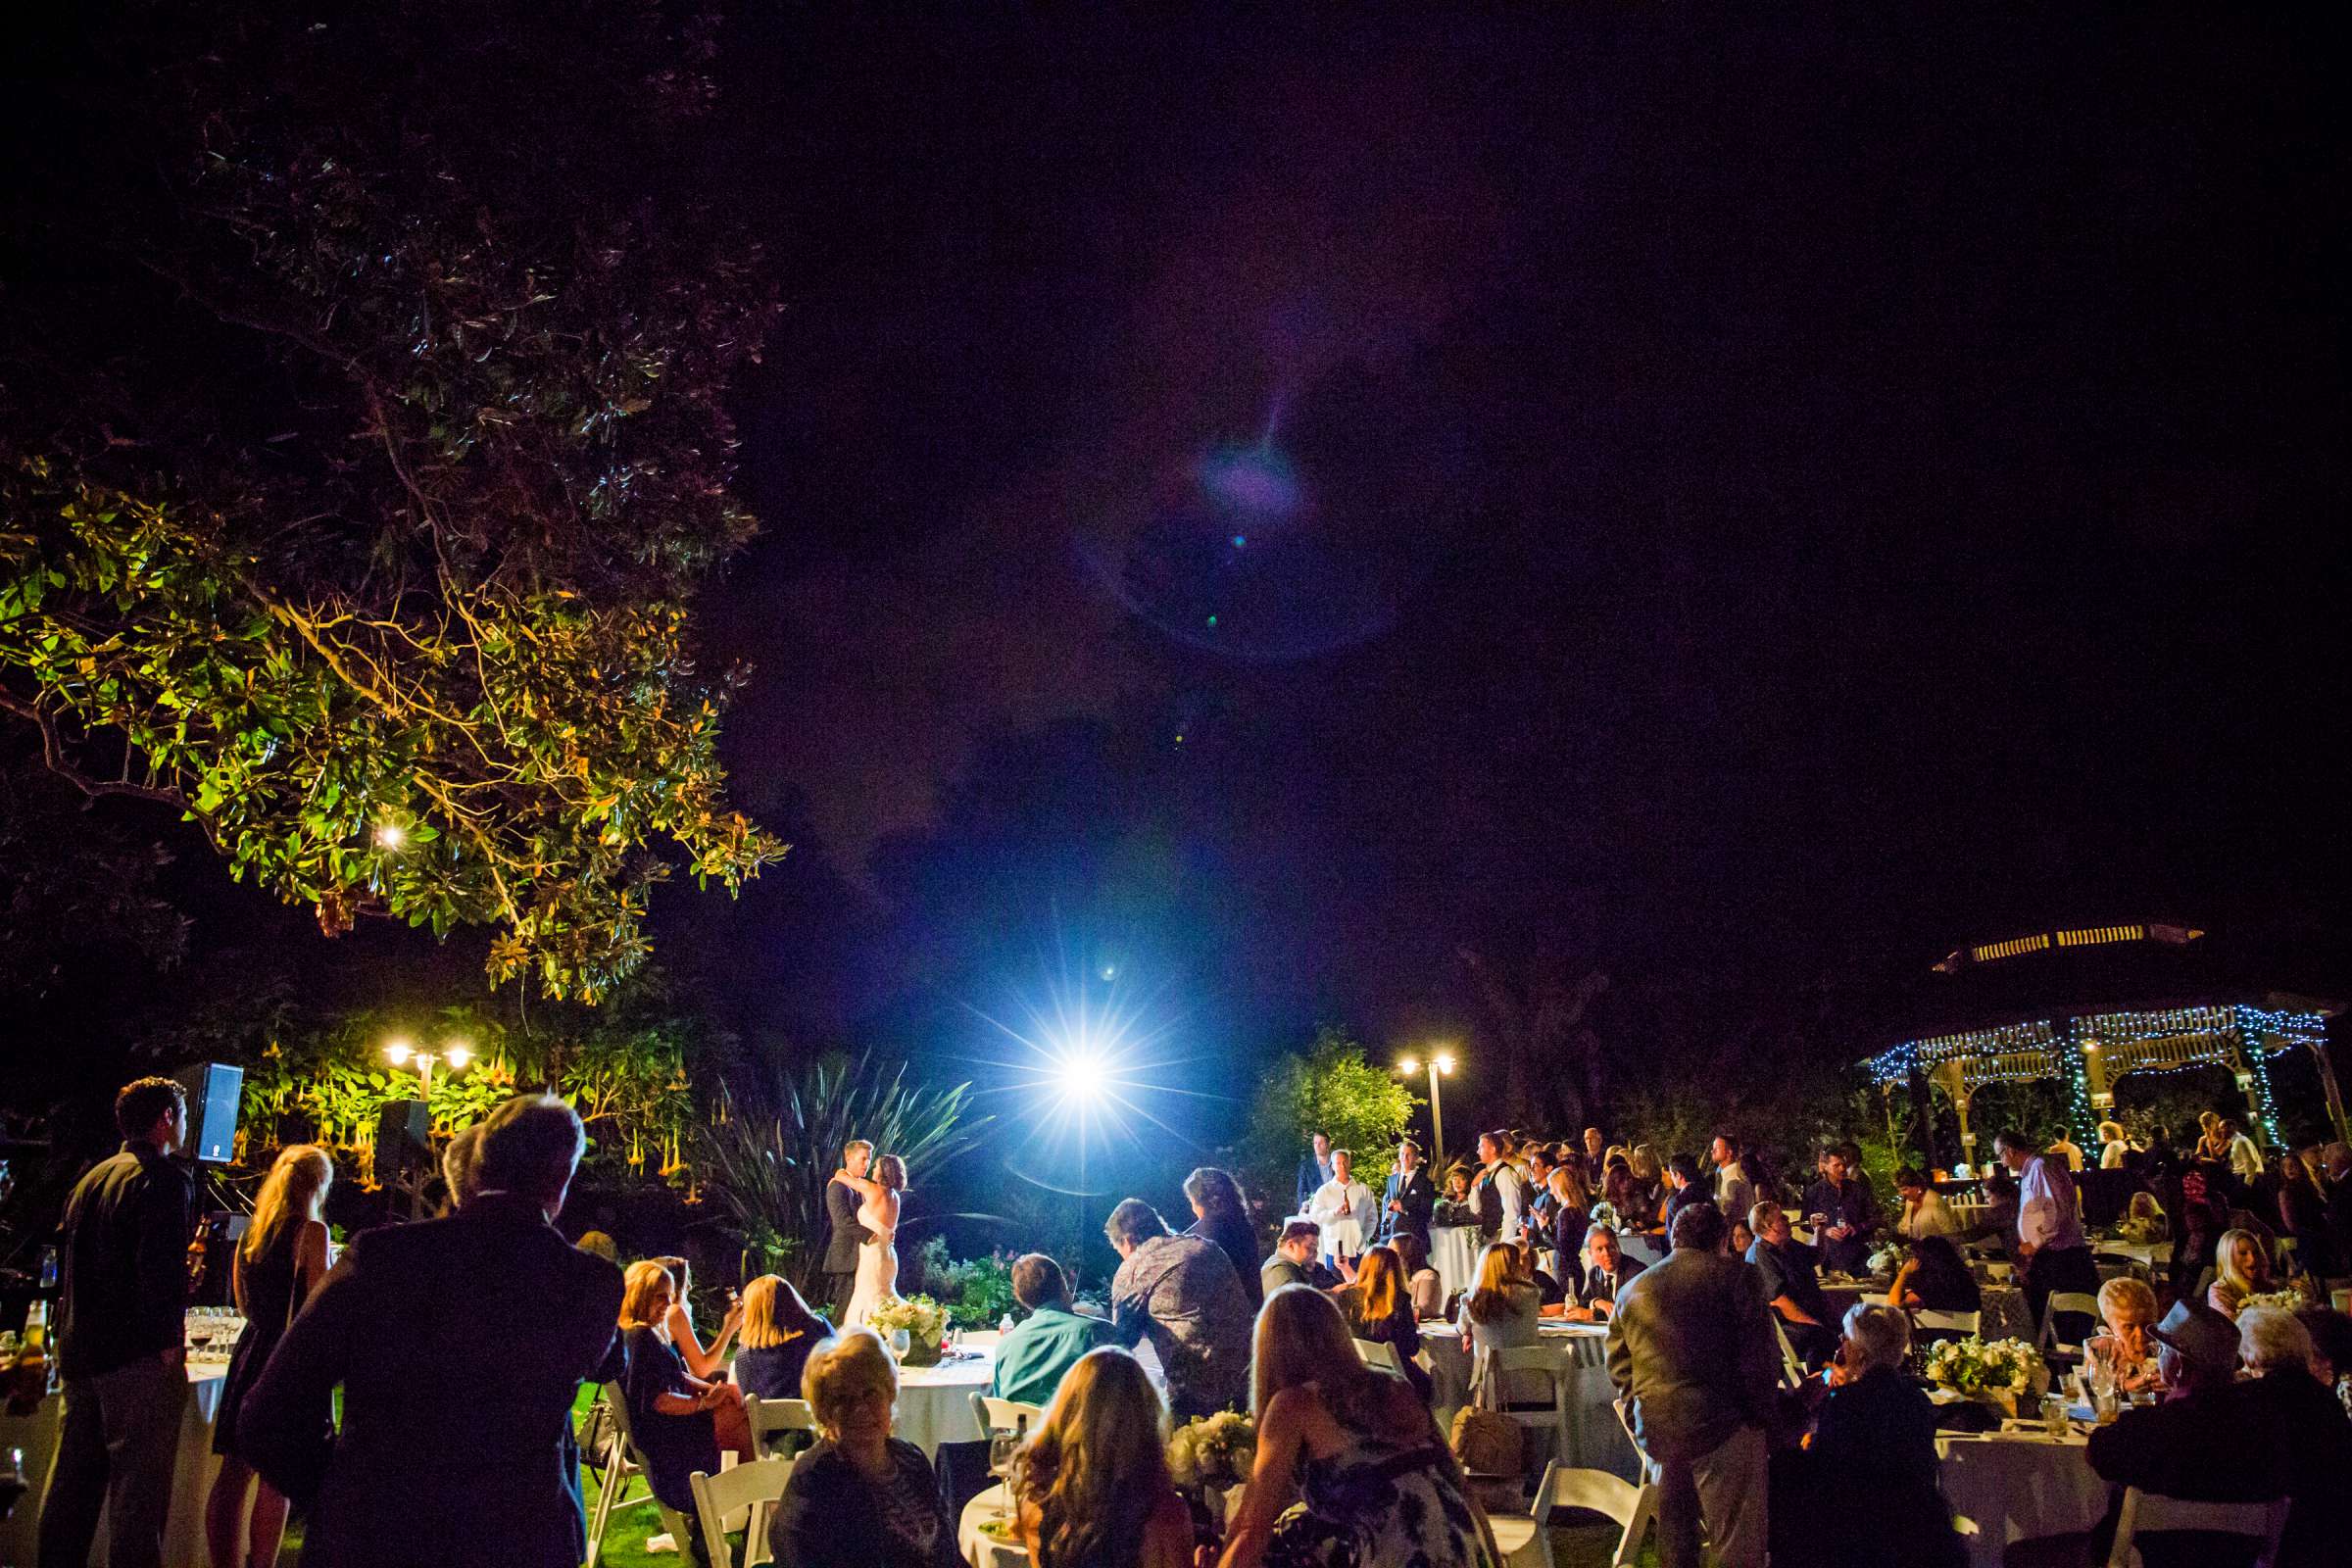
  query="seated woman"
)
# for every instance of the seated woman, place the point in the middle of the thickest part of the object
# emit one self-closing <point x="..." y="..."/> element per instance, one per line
<point x="2128" y="1308"/>
<point x="1548" y="1288"/>
<point x="1356" y="1446"/>
<point x="703" y="1363"/>
<point x="1423" y="1284"/>
<point x="1932" y="1276"/>
<point x="679" y="1421"/>
<point x="2143" y="1219"/>
<point x="1502" y="1313"/>
<point x="1376" y="1309"/>
<point x="1092" y="1485"/>
<point x="1864" y="1493"/>
<point x="2242" y="1267"/>
<point x="778" y="1333"/>
<point x="861" y="1497"/>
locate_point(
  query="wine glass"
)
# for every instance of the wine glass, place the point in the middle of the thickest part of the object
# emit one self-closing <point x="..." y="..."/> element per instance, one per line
<point x="900" y="1342"/>
<point x="1001" y="1447"/>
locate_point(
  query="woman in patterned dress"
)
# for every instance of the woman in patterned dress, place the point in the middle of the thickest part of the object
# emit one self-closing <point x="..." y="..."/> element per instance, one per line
<point x="1355" y="1448"/>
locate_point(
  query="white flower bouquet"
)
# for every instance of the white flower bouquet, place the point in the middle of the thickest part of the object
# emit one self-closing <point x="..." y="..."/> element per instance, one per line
<point x="2144" y="1231"/>
<point x="1216" y="1450"/>
<point x="1887" y="1260"/>
<point x="2289" y="1300"/>
<point x="1603" y="1215"/>
<point x="923" y="1319"/>
<point x="1997" y="1370"/>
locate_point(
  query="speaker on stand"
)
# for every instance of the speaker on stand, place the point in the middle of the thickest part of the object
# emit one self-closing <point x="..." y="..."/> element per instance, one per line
<point x="213" y="1089"/>
<point x="403" y="1149"/>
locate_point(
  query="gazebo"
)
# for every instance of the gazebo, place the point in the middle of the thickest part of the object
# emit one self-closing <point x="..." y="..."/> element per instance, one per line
<point x="2174" y="1014"/>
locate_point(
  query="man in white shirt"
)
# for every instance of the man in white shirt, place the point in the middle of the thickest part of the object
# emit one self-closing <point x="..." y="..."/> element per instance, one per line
<point x="2050" y="1243"/>
<point x="2245" y="1157"/>
<point x="1499" y="1195"/>
<point x="1735" y="1193"/>
<point x="1343" y="1208"/>
<point x="2068" y="1151"/>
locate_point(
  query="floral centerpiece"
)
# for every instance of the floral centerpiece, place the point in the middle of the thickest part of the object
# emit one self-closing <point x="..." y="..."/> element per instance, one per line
<point x="1998" y="1372"/>
<point x="1885" y="1261"/>
<point x="2288" y="1300"/>
<point x="924" y="1320"/>
<point x="1603" y="1215"/>
<point x="2143" y="1229"/>
<point x="1216" y="1450"/>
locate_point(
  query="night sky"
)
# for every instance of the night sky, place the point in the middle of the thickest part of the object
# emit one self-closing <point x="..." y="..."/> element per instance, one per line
<point x="1783" y="496"/>
<point x="1267" y="503"/>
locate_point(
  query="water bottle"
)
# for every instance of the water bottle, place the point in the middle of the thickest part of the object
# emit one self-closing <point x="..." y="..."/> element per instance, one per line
<point x="1005" y="1326"/>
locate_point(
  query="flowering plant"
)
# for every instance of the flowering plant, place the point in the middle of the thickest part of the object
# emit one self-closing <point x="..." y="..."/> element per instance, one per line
<point x="2289" y="1300"/>
<point x="1975" y="1366"/>
<point x="1603" y="1215"/>
<point x="1887" y="1260"/>
<point x="920" y="1316"/>
<point x="1216" y="1450"/>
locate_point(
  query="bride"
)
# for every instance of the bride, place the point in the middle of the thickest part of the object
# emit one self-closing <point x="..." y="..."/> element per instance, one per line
<point x="879" y="1256"/>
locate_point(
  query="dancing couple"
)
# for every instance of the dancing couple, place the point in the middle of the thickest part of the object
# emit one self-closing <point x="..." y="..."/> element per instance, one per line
<point x="861" y="1257"/>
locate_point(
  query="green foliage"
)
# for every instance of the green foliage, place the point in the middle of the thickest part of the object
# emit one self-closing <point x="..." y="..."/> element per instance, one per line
<point x="977" y="1292"/>
<point x="1331" y="1089"/>
<point x="71" y="880"/>
<point x="773" y="1152"/>
<point x="375" y="493"/>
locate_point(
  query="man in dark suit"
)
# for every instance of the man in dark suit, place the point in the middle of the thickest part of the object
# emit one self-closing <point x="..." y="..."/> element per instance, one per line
<point x="1407" y="1200"/>
<point x="841" y="1211"/>
<point x="1313" y="1171"/>
<point x="459" y="1345"/>
<point x="1690" y="1343"/>
<point x="118" y="1340"/>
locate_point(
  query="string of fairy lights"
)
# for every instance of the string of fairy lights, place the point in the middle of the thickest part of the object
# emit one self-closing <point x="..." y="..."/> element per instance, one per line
<point x="2192" y="1037"/>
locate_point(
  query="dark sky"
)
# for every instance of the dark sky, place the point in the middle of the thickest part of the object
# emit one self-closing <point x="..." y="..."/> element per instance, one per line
<point x="1774" y="494"/>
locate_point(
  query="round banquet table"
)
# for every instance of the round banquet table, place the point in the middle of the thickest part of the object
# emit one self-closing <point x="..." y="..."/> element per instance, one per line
<point x="192" y="1470"/>
<point x="1454" y="1253"/>
<point x="1596" y="1439"/>
<point x="935" y="1403"/>
<point x="975" y="1546"/>
<point x="2002" y="1316"/>
<point x="2018" y="1487"/>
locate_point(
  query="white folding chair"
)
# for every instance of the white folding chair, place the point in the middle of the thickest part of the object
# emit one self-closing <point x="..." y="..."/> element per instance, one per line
<point x="1926" y="1319"/>
<point x="774" y="1417"/>
<point x="1543" y="1361"/>
<point x="1527" y="1544"/>
<point x="625" y="1464"/>
<point x="2153" y="1512"/>
<point x="997" y="1415"/>
<point x="1377" y="1353"/>
<point x="750" y="1490"/>
<point x="2081" y="1302"/>
<point x="1792" y="1370"/>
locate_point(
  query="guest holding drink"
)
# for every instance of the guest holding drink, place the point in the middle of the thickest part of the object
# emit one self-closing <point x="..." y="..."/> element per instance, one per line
<point x="1092" y="1484"/>
<point x="280" y="1261"/>
<point x="2128" y="1308"/>
<point x="703" y="1363"/>
<point x="1606" y="1273"/>
<point x="680" y="1421"/>
<point x="1842" y="1211"/>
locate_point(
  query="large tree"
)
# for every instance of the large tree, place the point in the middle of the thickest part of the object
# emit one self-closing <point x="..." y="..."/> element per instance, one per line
<point x="362" y="444"/>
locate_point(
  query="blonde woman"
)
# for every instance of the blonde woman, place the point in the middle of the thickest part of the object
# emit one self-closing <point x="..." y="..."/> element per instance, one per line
<point x="861" y="1497"/>
<point x="1356" y="1445"/>
<point x="778" y="1332"/>
<point x="1092" y="1484"/>
<point x="280" y="1261"/>
<point x="2241" y="1268"/>
<point x="2115" y="1150"/>
<point x="702" y="1363"/>
<point x="878" y="1255"/>
<point x="679" y="1421"/>
<point x="1501" y="1314"/>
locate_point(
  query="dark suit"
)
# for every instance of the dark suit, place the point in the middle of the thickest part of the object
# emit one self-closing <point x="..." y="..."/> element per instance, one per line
<point x="1312" y="1174"/>
<point x="1418" y="1198"/>
<point x="841" y="1248"/>
<point x="459" y="1345"/>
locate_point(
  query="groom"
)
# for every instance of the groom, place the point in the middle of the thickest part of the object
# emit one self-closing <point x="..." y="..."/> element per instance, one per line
<point x="841" y="1209"/>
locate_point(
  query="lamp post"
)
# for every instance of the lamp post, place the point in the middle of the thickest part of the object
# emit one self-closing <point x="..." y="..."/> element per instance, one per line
<point x="1439" y="1061"/>
<point x="457" y="1054"/>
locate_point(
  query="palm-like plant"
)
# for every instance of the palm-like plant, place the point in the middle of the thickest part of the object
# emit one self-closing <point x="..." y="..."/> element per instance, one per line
<point x="774" y="1149"/>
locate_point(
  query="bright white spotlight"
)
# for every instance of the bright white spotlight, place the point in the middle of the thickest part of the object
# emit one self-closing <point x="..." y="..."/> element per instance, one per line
<point x="1408" y="1066"/>
<point x="390" y="836"/>
<point x="457" y="1055"/>
<point x="1444" y="1061"/>
<point x="396" y="1052"/>
<point x="1084" y="1077"/>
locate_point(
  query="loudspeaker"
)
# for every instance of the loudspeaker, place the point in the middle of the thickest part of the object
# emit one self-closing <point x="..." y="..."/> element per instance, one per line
<point x="404" y="1140"/>
<point x="213" y="1092"/>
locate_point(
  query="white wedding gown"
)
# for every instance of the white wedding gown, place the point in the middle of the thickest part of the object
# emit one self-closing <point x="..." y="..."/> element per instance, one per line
<point x="877" y="1261"/>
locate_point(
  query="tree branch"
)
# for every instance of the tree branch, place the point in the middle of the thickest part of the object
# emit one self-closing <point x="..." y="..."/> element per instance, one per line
<point x="53" y="757"/>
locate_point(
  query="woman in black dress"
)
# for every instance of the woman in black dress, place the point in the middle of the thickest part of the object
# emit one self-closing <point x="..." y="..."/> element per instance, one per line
<point x="280" y="1261"/>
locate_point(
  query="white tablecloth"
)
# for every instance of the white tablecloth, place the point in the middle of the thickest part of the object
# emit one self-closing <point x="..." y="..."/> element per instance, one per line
<point x="191" y="1475"/>
<point x="935" y="1403"/>
<point x="1454" y="1253"/>
<point x="2019" y="1489"/>
<point x="978" y="1547"/>
<point x="1596" y="1439"/>
<point x="2001" y="1316"/>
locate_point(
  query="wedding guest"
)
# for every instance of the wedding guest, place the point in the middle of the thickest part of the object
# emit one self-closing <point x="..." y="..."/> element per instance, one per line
<point x="2303" y="1215"/>
<point x="2241" y="1268"/>
<point x="1408" y="1202"/>
<point x="2211" y="1442"/>
<point x="1843" y="1210"/>
<point x="1377" y="1309"/>
<point x="1530" y="1269"/>
<point x="1784" y="1269"/>
<point x="680" y="1422"/>
<point x="1594" y="1144"/>
<point x="2338" y="1160"/>
<point x="1540" y="1166"/>
<point x="2143" y="1219"/>
<point x="680" y="1325"/>
<point x="1501" y="1314"/>
<point x="1934" y="1277"/>
<point x="2245" y="1155"/>
<point x="1313" y="1170"/>
<point x="1622" y="1191"/>
<point x="2115" y="1150"/>
<point x="1499" y="1197"/>
<point x="1734" y="1190"/>
<point x="1422" y="1283"/>
<point x="1220" y="1216"/>
<point x="493" y="1302"/>
<point x="2128" y="1308"/>
<point x="1691" y="1347"/>
<point x="1649" y="1189"/>
<point x="1742" y="1238"/>
<point x="1925" y="1213"/>
<point x="2278" y="1352"/>
<point x="2050" y="1243"/>
<point x="1092" y="1484"/>
<point x="2213" y="1141"/>
<point x="1180" y="1293"/>
<point x="1605" y="1274"/>
<point x="119" y="1346"/>
<point x="2065" y="1149"/>
<point x="2330" y="1334"/>
<point x="1454" y="1207"/>
<point x="860" y="1498"/>
<point x="1294" y="1261"/>
<point x="1344" y="1206"/>
<point x="1571" y="1217"/>
<point x="1043" y="1347"/>
<point x="1356" y="1444"/>
<point x="1998" y="1228"/>
<point x="278" y="1264"/>
<point x="1865" y="1491"/>
<point x="779" y="1331"/>
<point x="596" y="1243"/>
<point x="1684" y="1187"/>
